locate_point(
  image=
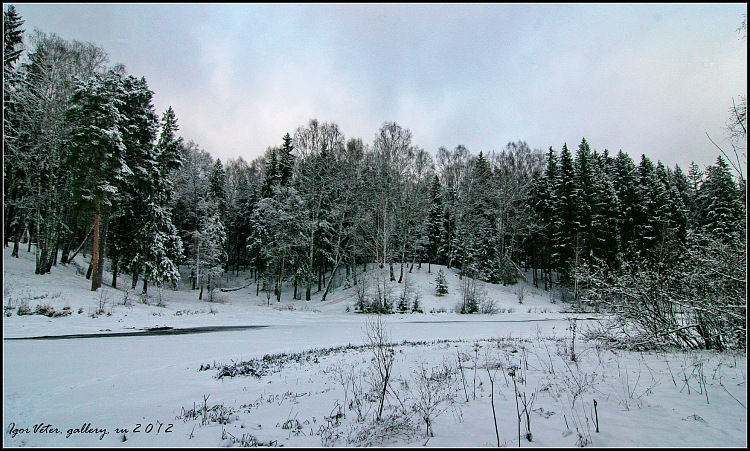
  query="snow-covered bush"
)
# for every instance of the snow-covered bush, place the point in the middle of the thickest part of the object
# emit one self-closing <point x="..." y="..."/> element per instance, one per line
<point x="23" y="309"/>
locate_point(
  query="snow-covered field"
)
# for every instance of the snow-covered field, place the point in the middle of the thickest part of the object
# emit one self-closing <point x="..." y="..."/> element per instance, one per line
<point x="165" y="390"/>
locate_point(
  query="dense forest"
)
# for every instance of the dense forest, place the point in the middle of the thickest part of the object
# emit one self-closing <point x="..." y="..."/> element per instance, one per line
<point x="89" y="166"/>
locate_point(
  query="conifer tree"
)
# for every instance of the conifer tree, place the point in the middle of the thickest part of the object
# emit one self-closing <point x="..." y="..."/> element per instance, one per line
<point x="441" y="285"/>
<point x="544" y="200"/>
<point x="652" y="211"/>
<point x="270" y="173"/>
<point x="13" y="109"/>
<point x="286" y="161"/>
<point x="625" y="183"/>
<point x="434" y="226"/>
<point x="97" y="151"/>
<point x="211" y="254"/>
<point x="584" y="195"/>
<point x="12" y="37"/>
<point x="566" y="232"/>
<point x="718" y="200"/>
<point x="605" y="234"/>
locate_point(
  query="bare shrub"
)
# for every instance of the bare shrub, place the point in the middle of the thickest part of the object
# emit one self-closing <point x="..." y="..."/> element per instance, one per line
<point x="520" y="293"/>
<point x="126" y="301"/>
<point x="472" y="295"/>
<point x="386" y="430"/>
<point x="435" y="392"/>
<point x="217" y="413"/>
<point x="377" y="338"/>
<point x="105" y="298"/>
<point x="488" y="307"/>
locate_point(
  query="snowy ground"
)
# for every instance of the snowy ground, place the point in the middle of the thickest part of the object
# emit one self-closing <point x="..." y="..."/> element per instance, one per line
<point x="69" y="392"/>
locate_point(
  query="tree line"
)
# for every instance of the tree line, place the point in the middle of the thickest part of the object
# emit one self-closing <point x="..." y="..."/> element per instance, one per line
<point x="87" y="160"/>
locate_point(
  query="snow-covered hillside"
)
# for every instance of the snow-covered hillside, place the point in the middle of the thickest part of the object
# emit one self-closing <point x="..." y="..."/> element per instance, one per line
<point x="314" y="386"/>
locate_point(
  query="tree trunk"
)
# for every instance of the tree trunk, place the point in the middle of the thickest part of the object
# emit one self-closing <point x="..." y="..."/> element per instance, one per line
<point x="81" y="246"/>
<point x="94" y="265"/>
<point x="114" y="272"/>
<point x="96" y="275"/>
<point x="330" y="281"/>
<point x="278" y="280"/>
<point x="321" y="277"/>
<point x="145" y="285"/>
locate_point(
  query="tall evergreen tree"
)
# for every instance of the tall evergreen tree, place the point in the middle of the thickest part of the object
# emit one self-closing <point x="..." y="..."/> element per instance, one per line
<point x="651" y="226"/>
<point x="545" y="206"/>
<point x="286" y="161"/>
<point x="625" y="183"/>
<point x="719" y="203"/>
<point x="566" y="232"/>
<point x="12" y="37"/>
<point x="605" y="234"/>
<point x="13" y="109"/>
<point x="211" y="254"/>
<point x="434" y="227"/>
<point x="584" y="195"/>
<point x="97" y="153"/>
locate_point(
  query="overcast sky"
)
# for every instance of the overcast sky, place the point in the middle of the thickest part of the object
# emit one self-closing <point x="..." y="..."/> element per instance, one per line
<point x="643" y="78"/>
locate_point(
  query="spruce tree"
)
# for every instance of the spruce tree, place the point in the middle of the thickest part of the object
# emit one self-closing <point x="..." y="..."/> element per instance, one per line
<point x="719" y="203"/>
<point x="286" y="161"/>
<point x="652" y="211"/>
<point x="441" y="285"/>
<point x="544" y="199"/>
<point x="625" y="183"/>
<point x="606" y="240"/>
<point x="211" y="254"/>
<point x="270" y="173"/>
<point x="566" y="223"/>
<point x="434" y="226"/>
<point x="12" y="37"/>
<point x="584" y="195"/>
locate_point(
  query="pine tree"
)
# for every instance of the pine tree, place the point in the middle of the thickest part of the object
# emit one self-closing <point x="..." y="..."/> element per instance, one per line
<point x="97" y="151"/>
<point x="136" y="189"/>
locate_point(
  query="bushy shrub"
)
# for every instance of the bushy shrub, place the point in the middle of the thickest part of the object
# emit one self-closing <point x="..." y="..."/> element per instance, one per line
<point x="24" y="309"/>
<point x="49" y="311"/>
